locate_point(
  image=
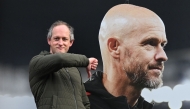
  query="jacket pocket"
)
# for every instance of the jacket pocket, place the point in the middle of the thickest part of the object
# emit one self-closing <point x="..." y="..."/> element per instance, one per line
<point x="54" y="102"/>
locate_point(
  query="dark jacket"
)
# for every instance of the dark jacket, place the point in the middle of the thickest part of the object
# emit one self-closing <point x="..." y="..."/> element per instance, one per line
<point x="55" y="81"/>
<point x="100" y="98"/>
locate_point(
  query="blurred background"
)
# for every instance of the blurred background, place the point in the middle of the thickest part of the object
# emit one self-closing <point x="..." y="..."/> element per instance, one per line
<point x="25" y="23"/>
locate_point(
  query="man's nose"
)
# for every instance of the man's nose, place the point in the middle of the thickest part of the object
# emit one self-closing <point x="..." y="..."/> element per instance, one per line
<point x="161" y="55"/>
<point x="60" y="42"/>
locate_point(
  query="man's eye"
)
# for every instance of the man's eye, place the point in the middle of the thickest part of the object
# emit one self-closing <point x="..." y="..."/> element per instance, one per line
<point x="152" y="43"/>
<point x="163" y="45"/>
<point x="56" y="39"/>
<point x="65" y="39"/>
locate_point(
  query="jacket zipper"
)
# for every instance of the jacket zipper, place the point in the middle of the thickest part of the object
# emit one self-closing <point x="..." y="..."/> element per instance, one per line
<point x="73" y="88"/>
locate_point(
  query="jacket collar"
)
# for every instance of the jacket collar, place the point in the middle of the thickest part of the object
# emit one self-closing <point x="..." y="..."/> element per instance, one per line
<point x="95" y="87"/>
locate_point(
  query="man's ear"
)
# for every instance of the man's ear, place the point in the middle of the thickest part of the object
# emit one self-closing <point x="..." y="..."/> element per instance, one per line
<point x="71" y="42"/>
<point x="48" y="40"/>
<point x="113" y="47"/>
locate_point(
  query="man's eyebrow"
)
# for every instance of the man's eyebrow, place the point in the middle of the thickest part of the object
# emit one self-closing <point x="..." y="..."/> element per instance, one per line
<point x="147" y="39"/>
<point x="56" y="36"/>
<point x="154" y="39"/>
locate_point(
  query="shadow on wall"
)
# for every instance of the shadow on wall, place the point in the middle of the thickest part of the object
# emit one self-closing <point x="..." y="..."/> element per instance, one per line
<point x="14" y="88"/>
<point x="177" y="68"/>
<point x="14" y="81"/>
<point x="16" y="102"/>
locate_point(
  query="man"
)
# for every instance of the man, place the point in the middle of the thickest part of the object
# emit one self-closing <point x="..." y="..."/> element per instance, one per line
<point x="54" y="79"/>
<point x="132" y="41"/>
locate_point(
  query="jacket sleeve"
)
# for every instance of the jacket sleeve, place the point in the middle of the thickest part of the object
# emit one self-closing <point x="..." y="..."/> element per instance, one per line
<point x="41" y="65"/>
<point x="85" y="99"/>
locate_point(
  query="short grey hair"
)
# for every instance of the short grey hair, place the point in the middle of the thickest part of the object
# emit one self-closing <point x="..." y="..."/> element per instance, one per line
<point x="57" y="23"/>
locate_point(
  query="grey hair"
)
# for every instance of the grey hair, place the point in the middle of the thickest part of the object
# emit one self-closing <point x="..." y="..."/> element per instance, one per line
<point x="57" y="23"/>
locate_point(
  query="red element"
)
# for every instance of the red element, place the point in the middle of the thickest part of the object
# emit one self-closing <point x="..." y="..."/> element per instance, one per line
<point x="88" y="93"/>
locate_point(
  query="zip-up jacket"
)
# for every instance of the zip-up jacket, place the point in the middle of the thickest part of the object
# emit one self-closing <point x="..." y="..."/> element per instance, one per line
<point x="55" y="81"/>
<point x="100" y="98"/>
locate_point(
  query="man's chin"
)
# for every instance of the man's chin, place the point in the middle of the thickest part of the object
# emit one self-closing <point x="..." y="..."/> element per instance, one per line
<point x="154" y="83"/>
<point x="59" y="51"/>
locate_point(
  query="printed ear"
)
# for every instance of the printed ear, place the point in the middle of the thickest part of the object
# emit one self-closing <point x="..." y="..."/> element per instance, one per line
<point x="113" y="47"/>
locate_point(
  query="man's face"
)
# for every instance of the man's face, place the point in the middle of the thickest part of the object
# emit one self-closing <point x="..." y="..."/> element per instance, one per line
<point x="144" y="55"/>
<point x="60" y="41"/>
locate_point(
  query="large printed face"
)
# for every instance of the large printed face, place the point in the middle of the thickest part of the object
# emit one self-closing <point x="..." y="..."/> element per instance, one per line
<point x="144" y="56"/>
<point x="60" y="41"/>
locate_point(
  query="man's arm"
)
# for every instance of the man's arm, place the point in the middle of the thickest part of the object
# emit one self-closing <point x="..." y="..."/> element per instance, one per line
<point x="44" y="64"/>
